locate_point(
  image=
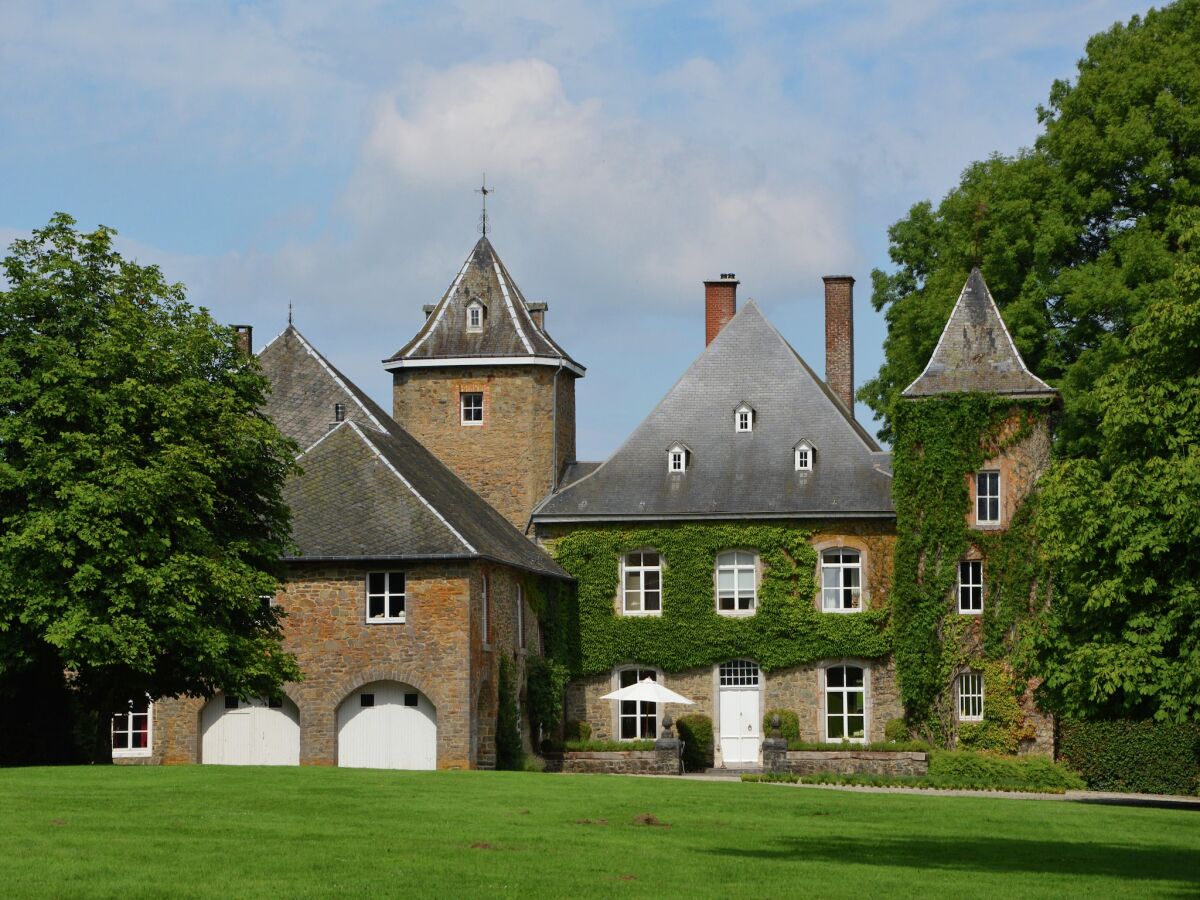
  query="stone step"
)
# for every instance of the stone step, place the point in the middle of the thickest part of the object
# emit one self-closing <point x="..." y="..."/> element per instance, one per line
<point x="734" y="772"/>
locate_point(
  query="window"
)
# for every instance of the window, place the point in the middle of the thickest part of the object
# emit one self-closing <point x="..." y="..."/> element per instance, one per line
<point x="739" y="673"/>
<point x="638" y="718"/>
<point x="132" y="729"/>
<point x="487" y="612"/>
<point x="987" y="498"/>
<point x="472" y="407"/>
<point x="339" y="412"/>
<point x="736" y="582"/>
<point x="970" y="697"/>
<point x="841" y="581"/>
<point x="366" y="701"/>
<point x="641" y="583"/>
<point x="475" y="316"/>
<point x="520" y="617"/>
<point x="743" y="418"/>
<point x="677" y="459"/>
<point x="970" y="586"/>
<point x="411" y="699"/>
<point x="845" y="704"/>
<point x="385" y="597"/>
<point x="232" y="702"/>
<point x="804" y="457"/>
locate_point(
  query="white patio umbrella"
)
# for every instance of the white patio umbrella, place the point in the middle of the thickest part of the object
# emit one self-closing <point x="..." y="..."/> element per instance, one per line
<point x="647" y="691"/>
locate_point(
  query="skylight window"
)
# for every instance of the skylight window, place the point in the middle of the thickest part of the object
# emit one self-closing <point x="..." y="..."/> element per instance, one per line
<point x="804" y="453"/>
<point x="677" y="459"/>
<point x="743" y="418"/>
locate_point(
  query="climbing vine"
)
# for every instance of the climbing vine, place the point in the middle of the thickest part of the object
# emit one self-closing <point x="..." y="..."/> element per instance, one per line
<point x="939" y="443"/>
<point x="786" y="630"/>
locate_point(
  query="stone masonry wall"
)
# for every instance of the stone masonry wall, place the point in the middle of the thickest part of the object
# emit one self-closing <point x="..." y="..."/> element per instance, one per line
<point x="509" y="458"/>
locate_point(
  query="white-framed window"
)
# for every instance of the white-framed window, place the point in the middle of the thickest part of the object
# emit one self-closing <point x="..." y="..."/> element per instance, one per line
<point x="970" y="586"/>
<point x="475" y="316"/>
<point x="738" y="673"/>
<point x="486" y="605"/>
<point x="737" y="582"/>
<point x="641" y="583"/>
<point x="339" y="412"/>
<point x="637" y="719"/>
<point x="133" y="729"/>
<point x="987" y="497"/>
<point x="845" y="704"/>
<point x="841" y="580"/>
<point x="677" y="459"/>
<point x="471" y="406"/>
<point x="385" y="597"/>
<point x="743" y="418"/>
<point x="970" y="697"/>
<point x="803" y="453"/>
<point x="520" y="617"/>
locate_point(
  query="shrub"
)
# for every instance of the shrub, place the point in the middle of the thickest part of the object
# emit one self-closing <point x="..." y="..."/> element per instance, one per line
<point x="1006" y="772"/>
<point x="696" y="732"/>
<point x="895" y="731"/>
<point x="1143" y="757"/>
<point x="789" y="724"/>
<point x="608" y="746"/>
<point x="545" y="688"/>
<point x="510" y="754"/>
<point x="577" y="731"/>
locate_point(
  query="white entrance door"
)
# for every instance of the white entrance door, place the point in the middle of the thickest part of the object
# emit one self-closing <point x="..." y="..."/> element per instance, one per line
<point x="387" y="725"/>
<point x="741" y="717"/>
<point x="250" y="733"/>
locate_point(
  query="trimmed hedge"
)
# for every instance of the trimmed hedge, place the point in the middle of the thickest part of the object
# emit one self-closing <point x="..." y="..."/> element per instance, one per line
<point x="1138" y="757"/>
<point x="577" y="731"/>
<point x="696" y="732"/>
<point x="1026" y="773"/>
<point x="608" y="746"/>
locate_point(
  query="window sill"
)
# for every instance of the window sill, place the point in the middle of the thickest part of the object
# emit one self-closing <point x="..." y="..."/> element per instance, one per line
<point x="471" y="424"/>
<point x="970" y="719"/>
<point x="386" y="621"/>
<point x="132" y="754"/>
<point x="736" y="613"/>
<point x="641" y="614"/>
<point x="843" y="612"/>
<point x="970" y="612"/>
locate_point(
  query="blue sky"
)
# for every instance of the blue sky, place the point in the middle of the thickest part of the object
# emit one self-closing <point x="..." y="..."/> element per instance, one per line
<point x="325" y="155"/>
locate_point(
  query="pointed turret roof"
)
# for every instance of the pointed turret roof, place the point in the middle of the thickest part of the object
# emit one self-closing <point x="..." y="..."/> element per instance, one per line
<point x="976" y="352"/>
<point x="369" y="489"/>
<point x="509" y="333"/>
<point x="731" y="474"/>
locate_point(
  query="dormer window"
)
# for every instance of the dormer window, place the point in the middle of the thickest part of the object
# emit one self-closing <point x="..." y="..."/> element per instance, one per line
<point x="804" y="453"/>
<point x="743" y="418"/>
<point x="475" y="316"/>
<point x="677" y="459"/>
<point x="339" y="412"/>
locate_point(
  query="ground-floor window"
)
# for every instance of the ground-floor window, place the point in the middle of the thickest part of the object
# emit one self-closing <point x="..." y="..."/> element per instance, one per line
<point x="970" y="696"/>
<point x="638" y="718"/>
<point x="132" y="729"/>
<point x="845" y="704"/>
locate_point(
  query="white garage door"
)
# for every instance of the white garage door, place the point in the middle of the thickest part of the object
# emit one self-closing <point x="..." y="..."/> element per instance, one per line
<point x="250" y="733"/>
<point x="387" y="725"/>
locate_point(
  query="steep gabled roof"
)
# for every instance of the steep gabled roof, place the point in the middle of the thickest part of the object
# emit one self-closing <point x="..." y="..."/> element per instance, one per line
<point x="509" y="332"/>
<point x="976" y="352"/>
<point x="737" y="474"/>
<point x="369" y="489"/>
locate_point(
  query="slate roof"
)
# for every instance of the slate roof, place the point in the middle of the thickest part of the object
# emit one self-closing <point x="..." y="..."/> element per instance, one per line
<point x="509" y="330"/>
<point x="737" y="475"/>
<point x="369" y="489"/>
<point x="976" y="352"/>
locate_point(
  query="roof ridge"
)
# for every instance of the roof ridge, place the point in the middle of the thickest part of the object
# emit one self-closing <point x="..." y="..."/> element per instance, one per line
<point x="333" y="373"/>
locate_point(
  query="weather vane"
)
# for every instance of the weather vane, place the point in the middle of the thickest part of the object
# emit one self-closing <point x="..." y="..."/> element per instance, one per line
<point x="485" y="190"/>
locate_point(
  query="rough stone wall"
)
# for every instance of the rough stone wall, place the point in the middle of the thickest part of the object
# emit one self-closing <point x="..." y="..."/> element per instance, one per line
<point x="509" y="458"/>
<point x="811" y="762"/>
<point x="623" y="762"/>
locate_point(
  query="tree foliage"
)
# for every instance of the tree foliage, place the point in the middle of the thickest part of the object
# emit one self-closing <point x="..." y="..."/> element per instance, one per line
<point x="140" y="488"/>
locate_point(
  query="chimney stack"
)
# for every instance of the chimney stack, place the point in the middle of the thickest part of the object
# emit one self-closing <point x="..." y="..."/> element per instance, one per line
<point x="245" y="339"/>
<point x="839" y="337"/>
<point x="537" y="312"/>
<point x="720" y="304"/>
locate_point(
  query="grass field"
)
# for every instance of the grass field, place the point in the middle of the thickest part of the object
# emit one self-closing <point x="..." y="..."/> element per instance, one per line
<point x="200" y="831"/>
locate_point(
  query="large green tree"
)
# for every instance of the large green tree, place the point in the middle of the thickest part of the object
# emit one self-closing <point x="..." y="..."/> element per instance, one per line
<point x="140" y="488"/>
<point x="1088" y="242"/>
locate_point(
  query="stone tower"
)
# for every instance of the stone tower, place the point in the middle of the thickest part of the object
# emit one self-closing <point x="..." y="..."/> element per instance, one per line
<point x="487" y="390"/>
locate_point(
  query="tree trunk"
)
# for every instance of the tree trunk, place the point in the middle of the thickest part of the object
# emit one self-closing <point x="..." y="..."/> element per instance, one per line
<point x="102" y="746"/>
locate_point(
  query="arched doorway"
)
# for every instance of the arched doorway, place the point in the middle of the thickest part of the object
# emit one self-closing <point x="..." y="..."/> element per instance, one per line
<point x="387" y="725"/>
<point x="254" y="732"/>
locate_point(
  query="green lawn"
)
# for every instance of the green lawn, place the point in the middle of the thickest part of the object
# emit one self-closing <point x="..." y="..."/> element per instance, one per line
<point x="200" y="831"/>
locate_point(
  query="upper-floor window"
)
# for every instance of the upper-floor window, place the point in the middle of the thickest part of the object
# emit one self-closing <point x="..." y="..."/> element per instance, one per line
<point x="970" y="697"/>
<point x="841" y="580"/>
<point x="736" y="582"/>
<point x="677" y="458"/>
<point x="743" y="418"/>
<point x="641" y="583"/>
<point x="385" y="597"/>
<point x="987" y="498"/>
<point x="486" y="605"/>
<point x="845" y="704"/>
<point x="132" y="729"/>
<point x="970" y="586"/>
<point x="638" y="718"/>
<point x="475" y="315"/>
<point x="471" y="404"/>
<point x="803" y="453"/>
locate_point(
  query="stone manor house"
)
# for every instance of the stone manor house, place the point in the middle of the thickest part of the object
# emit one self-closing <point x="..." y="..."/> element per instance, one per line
<point x="426" y="540"/>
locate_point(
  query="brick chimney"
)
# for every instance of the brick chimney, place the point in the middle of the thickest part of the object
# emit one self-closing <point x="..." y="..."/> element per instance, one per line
<point x="720" y="304"/>
<point x="245" y="339"/>
<point x="537" y="312"/>
<point x="839" y="337"/>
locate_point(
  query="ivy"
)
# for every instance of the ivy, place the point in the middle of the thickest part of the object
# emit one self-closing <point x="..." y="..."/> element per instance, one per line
<point x="940" y="442"/>
<point x="787" y="629"/>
